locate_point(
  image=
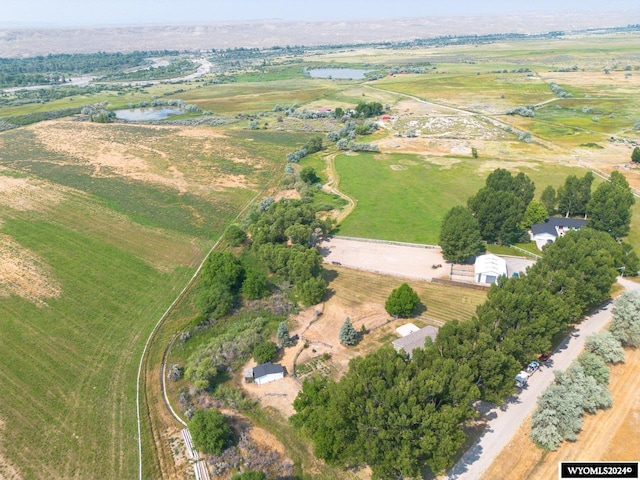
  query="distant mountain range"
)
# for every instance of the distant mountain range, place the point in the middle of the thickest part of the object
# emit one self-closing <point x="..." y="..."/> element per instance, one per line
<point x="17" y="42"/>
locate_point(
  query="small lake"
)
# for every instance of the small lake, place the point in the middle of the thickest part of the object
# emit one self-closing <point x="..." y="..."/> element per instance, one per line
<point x="146" y="114"/>
<point x="340" y="73"/>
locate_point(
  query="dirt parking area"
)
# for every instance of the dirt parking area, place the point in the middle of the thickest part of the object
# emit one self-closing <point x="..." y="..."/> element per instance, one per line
<point x="391" y="259"/>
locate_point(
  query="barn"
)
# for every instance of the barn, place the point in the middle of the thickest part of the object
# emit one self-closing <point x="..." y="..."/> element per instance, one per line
<point x="489" y="267"/>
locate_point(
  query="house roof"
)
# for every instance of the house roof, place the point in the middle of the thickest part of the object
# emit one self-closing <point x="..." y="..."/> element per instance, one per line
<point x="490" y="264"/>
<point x="415" y="339"/>
<point x="553" y="223"/>
<point x="267" y="369"/>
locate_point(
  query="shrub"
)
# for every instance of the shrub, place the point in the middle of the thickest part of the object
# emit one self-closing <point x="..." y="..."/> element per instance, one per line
<point x="234" y="235"/>
<point x="210" y="431"/>
<point x="625" y="325"/>
<point x="265" y="352"/>
<point x="606" y="346"/>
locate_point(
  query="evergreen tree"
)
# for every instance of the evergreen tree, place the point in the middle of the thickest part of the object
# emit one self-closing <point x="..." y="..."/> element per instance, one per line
<point x="635" y="156"/>
<point x="348" y="334"/>
<point x="282" y="335"/>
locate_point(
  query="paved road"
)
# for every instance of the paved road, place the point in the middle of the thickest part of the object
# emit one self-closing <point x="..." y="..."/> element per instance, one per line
<point x="503" y="422"/>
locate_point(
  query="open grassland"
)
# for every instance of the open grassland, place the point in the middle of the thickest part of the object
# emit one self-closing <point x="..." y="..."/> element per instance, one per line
<point x="106" y="224"/>
<point x="487" y="93"/>
<point x="253" y="97"/>
<point x="405" y="197"/>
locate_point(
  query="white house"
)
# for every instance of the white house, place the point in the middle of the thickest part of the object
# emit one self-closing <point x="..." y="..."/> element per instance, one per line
<point x="267" y="372"/>
<point x="489" y="267"/>
<point x="554" y="227"/>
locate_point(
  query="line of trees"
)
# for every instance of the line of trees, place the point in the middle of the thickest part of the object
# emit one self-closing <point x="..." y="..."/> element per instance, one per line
<point x="504" y="209"/>
<point x="398" y="414"/>
<point x="583" y="387"/>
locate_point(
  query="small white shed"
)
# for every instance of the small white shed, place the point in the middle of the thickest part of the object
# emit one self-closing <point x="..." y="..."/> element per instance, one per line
<point x="406" y="329"/>
<point x="267" y="372"/>
<point x="489" y="267"/>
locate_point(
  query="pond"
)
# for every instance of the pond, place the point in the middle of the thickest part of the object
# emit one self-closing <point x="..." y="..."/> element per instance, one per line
<point x="146" y="114"/>
<point x="340" y="73"/>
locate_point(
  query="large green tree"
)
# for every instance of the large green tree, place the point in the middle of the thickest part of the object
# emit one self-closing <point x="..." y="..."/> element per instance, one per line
<point x="574" y="195"/>
<point x="549" y="199"/>
<point x="609" y="209"/>
<point x="402" y="301"/>
<point x="501" y="180"/>
<point x="460" y="236"/>
<point x="210" y="431"/>
<point x="635" y="155"/>
<point x="498" y="213"/>
<point x="536" y="212"/>
<point x="500" y="205"/>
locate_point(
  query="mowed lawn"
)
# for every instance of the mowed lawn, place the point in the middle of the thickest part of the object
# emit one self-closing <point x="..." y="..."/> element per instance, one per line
<point x="408" y="204"/>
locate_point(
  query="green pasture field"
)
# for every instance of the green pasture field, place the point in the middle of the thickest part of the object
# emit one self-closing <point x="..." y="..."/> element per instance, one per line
<point x="270" y="74"/>
<point x="121" y="251"/>
<point x="409" y="204"/>
<point x="115" y="99"/>
<point x="69" y="368"/>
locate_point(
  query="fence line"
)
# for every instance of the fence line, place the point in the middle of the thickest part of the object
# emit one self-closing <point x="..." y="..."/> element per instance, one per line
<point x="527" y="252"/>
<point x="388" y="242"/>
<point x="199" y="464"/>
<point x="475" y="286"/>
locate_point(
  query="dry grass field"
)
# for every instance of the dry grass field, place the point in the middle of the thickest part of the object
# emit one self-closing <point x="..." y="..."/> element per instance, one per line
<point x="609" y="435"/>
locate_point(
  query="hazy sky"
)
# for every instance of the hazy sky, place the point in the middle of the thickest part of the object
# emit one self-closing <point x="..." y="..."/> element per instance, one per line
<point x="110" y="12"/>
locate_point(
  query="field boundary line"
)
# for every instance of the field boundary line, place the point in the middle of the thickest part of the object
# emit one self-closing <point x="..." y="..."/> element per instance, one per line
<point x="605" y="176"/>
<point x="161" y="321"/>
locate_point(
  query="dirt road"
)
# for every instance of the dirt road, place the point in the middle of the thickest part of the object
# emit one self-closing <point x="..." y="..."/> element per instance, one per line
<point x="504" y="422"/>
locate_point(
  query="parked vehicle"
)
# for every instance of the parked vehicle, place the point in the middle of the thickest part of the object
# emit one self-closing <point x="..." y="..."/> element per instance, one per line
<point x="544" y="358"/>
<point x="523" y="377"/>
